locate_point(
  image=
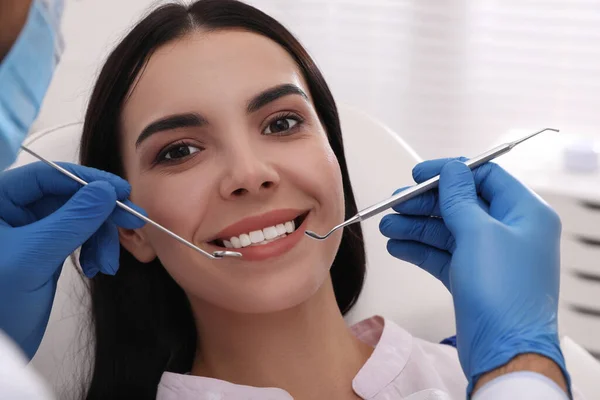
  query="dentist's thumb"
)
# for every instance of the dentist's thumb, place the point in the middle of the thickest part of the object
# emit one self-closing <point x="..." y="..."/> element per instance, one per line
<point x="63" y="231"/>
<point x="459" y="206"/>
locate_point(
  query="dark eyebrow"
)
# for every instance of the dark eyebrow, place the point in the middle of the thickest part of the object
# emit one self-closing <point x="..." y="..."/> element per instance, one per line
<point x="169" y="123"/>
<point x="272" y="94"/>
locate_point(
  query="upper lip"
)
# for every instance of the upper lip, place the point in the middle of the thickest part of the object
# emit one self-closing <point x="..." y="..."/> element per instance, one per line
<point x="258" y="222"/>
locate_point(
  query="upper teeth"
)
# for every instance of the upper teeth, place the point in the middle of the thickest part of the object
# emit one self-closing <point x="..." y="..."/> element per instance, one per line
<point x="268" y="233"/>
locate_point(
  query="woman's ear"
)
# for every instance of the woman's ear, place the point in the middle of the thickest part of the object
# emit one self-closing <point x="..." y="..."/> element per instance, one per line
<point x="137" y="244"/>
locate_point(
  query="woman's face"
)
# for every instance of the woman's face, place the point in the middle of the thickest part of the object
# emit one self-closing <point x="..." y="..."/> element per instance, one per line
<point x="222" y="144"/>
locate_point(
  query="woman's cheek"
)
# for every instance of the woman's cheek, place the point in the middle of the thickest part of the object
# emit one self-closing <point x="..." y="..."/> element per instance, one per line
<point x="174" y="203"/>
<point x="334" y="179"/>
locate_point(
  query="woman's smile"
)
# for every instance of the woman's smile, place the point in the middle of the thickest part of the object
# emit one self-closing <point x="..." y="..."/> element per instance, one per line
<point x="264" y="236"/>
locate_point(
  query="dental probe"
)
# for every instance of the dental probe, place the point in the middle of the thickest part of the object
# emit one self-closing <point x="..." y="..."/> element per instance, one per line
<point x="215" y="255"/>
<point x="423" y="186"/>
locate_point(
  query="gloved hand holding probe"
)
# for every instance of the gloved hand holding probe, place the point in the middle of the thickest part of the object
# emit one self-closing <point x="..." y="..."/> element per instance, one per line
<point x="496" y="249"/>
<point x="44" y="217"/>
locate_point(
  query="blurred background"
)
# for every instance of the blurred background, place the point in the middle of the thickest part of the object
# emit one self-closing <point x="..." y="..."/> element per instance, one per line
<point x="450" y="78"/>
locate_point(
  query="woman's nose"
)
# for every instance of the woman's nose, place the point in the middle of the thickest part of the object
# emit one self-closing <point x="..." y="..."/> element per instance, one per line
<point x="248" y="174"/>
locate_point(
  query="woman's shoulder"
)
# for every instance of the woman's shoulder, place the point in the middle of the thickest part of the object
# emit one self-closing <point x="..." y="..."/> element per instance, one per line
<point x="380" y="331"/>
<point x="413" y="364"/>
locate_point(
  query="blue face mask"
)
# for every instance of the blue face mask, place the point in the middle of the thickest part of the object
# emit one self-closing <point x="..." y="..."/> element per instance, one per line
<point x="25" y="74"/>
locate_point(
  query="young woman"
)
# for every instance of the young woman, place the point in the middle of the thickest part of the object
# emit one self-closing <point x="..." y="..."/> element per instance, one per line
<point x="229" y="135"/>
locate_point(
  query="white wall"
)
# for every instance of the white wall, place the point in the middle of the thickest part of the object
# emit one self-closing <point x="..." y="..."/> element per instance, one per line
<point x="450" y="76"/>
<point x="91" y="29"/>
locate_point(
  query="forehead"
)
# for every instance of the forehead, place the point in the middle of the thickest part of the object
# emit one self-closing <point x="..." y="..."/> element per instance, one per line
<point x="209" y="70"/>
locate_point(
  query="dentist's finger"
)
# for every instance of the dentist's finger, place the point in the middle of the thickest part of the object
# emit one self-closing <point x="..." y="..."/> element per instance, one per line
<point x="425" y="204"/>
<point x="458" y="200"/>
<point x="492" y="183"/>
<point x="428" y="258"/>
<point x="101" y="252"/>
<point x="426" y="230"/>
<point x="430" y="168"/>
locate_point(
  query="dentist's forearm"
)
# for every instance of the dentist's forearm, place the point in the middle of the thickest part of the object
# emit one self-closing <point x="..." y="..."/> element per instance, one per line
<point x="526" y="362"/>
<point x="13" y="15"/>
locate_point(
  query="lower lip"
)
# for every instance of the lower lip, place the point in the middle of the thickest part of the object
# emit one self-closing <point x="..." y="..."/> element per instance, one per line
<point x="273" y="249"/>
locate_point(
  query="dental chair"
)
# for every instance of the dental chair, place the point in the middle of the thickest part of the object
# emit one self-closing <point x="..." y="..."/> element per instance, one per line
<point x="379" y="162"/>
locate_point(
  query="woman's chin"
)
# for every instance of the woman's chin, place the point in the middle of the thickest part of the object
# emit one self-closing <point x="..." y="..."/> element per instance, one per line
<point x="272" y="293"/>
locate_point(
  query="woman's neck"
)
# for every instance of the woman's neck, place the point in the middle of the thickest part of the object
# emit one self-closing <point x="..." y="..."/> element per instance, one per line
<point x="308" y="350"/>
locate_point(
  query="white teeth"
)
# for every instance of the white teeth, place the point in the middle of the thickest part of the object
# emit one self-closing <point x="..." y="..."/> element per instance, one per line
<point x="257" y="236"/>
<point x="270" y="233"/>
<point x="236" y="242"/>
<point x="245" y="240"/>
<point x="264" y="236"/>
<point x="280" y="228"/>
<point x="290" y="226"/>
<point x="268" y="241"/>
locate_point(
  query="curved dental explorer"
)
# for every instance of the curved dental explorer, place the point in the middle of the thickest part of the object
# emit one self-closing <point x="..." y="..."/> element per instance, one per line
<point x="423" y="186"/>
<point x="215" y="255"/>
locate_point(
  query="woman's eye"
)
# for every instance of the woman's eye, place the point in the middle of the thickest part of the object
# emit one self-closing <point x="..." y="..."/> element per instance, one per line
<point x="281" y="125"/>
<point x="178" y="152"/>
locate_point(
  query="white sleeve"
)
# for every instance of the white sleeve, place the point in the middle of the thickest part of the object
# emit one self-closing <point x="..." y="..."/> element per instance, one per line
<point x="523" y="385"/>
<point x="17" y="382"/>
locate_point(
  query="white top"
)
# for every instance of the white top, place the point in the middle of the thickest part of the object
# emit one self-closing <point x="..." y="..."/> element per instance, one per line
<point x="18" y="382"/>
<point x="400" y="367"/>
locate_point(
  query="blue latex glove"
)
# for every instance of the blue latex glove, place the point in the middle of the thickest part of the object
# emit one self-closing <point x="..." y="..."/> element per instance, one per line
<point x="44" y="217"/>
<point x="496" y="250"/>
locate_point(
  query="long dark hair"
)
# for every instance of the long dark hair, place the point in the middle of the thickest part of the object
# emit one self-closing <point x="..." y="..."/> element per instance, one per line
<point x="142" y="319"/>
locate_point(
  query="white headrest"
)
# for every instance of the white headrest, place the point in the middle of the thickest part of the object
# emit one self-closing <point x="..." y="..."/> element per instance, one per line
<point x="60" y="143"/>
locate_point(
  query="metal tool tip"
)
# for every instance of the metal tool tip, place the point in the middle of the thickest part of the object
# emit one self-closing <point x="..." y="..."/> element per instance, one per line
<point x="523" y="139"/>
<point x="551" y="129"/>
<point x="226" y="253"/>
<point x="315" y="236"/>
